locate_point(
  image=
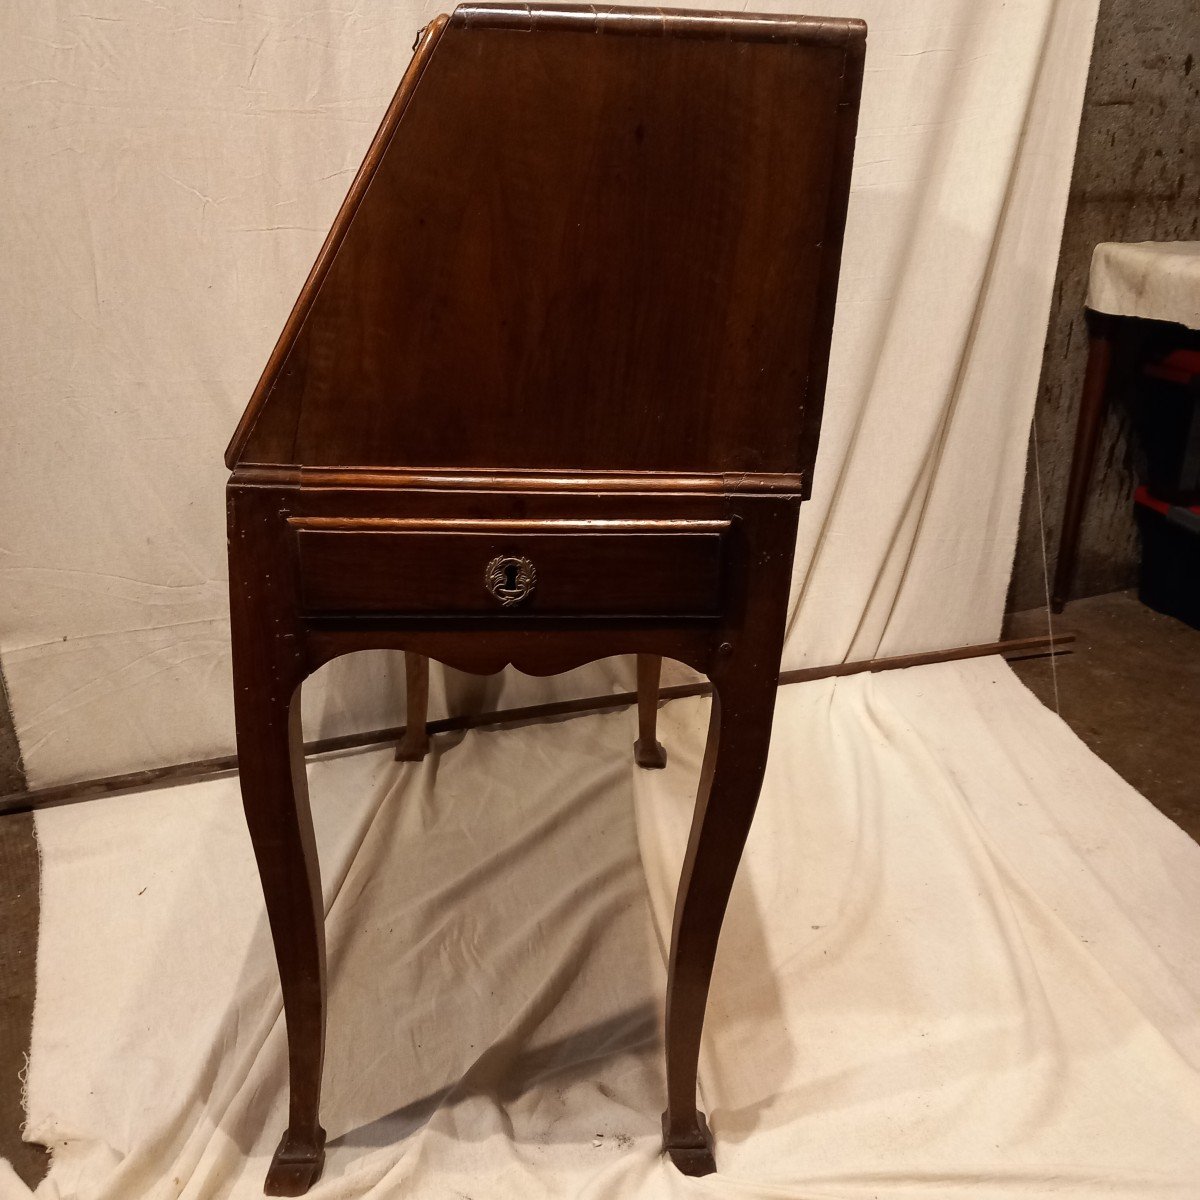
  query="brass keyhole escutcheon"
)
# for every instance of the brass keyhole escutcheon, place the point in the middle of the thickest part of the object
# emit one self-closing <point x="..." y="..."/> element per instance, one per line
<point x="510" y="578"/>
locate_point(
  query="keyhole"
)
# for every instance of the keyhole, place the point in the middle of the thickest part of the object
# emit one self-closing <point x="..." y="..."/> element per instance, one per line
<point x="509" y="578"/>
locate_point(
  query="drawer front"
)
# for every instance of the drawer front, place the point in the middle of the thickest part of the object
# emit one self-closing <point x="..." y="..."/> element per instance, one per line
<point x="585" y="568"/>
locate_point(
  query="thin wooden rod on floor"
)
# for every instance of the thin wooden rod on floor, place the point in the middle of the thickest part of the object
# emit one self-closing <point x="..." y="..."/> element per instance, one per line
<point x="211" y="768"/>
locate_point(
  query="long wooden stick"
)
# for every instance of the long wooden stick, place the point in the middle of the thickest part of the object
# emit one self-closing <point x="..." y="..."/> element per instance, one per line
<point x="226" y="764"/>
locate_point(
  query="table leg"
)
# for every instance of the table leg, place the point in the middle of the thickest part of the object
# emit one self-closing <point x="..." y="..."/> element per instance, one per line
<point x="1087" y="437"/>
<point x="647" y="750"/>
<point x="414" y="745"/>
<point x="734" y="761"/>
<point x="275" y="796"/>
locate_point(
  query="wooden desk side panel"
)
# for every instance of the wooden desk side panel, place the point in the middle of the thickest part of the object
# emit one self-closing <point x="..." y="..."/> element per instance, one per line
<point x="584" y="252"/>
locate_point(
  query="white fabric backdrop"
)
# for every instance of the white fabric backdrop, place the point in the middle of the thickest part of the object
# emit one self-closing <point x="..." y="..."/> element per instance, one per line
<point x="169" y="171"/>
<point x="961" y="960"/>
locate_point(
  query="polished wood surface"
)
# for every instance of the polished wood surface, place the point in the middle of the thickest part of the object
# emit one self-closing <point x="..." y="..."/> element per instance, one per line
<point x="633" y="569"/>
<point x="550" y="394"/>
<point x="637" y="275"/>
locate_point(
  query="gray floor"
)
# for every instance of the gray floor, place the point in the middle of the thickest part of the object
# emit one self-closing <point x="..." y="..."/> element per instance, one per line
<point x="18" y="947"/>
<point x="1130" y="689"/>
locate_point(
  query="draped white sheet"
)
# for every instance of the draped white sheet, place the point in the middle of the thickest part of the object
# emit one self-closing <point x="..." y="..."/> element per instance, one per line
<point x="961" y="960"/>
<point x="169" y="172"/>
<point x="1158" y="281"/>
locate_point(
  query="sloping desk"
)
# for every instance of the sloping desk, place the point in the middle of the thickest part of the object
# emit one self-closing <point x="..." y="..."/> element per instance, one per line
<point x="551" y="393"/>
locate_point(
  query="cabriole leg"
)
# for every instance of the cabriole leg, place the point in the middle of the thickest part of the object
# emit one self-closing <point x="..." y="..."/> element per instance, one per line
<point x="734" y="761"/>
<point x="275" y="795"/>
<point x="647" y="750"/>
<point x="267" y="671"/>
<point x="414" y="744"/>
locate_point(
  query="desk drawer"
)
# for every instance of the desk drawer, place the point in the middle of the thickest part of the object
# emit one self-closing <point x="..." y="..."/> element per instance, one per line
<point x="551" y="568"/>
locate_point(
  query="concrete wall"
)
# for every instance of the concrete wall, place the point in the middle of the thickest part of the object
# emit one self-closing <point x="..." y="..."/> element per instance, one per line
<point x="1136" y="178"/>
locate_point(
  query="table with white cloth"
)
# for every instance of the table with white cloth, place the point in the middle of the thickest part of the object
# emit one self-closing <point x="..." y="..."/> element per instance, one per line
<point x="1129" y="282"/>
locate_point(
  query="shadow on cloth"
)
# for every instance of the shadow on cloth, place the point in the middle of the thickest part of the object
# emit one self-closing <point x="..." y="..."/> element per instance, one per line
<point x="487" y="937"/>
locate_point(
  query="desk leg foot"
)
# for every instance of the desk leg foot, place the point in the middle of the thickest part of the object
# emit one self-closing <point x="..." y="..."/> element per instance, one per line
<point x="297" y="1164"/>
<point x="274" y="787"/>
<point x="414" y="745"/>
<point x="692" y="1153"/>
<point x="649" y="755"/>
<point x="412" y="749"/>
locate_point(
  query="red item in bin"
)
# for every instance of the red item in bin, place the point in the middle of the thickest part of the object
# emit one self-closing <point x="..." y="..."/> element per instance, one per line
<point x="1180" y="513"/>
<point x="1170" y="574"/>
<point x="1180" y="366"/>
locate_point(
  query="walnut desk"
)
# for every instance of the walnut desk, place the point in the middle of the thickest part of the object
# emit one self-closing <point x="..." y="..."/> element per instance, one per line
<point x="551" y="393"/>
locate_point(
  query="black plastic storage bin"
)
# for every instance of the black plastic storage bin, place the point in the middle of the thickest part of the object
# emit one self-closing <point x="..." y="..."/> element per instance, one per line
<point x="1167" y="414"/>
<point x="1170" y="580"/>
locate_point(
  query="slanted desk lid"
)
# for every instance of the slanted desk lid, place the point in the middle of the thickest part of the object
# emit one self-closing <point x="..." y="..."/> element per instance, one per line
<point x="582" y="240"/>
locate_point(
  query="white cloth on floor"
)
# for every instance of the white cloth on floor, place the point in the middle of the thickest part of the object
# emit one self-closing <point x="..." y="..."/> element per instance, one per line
<point x="1159" y="281"/>
<point x="961" y="960"/>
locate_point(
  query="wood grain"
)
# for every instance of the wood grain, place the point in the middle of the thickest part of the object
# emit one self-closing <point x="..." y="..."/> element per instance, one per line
<point x="624" y="261"/>
<point x="578" y="573"/>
